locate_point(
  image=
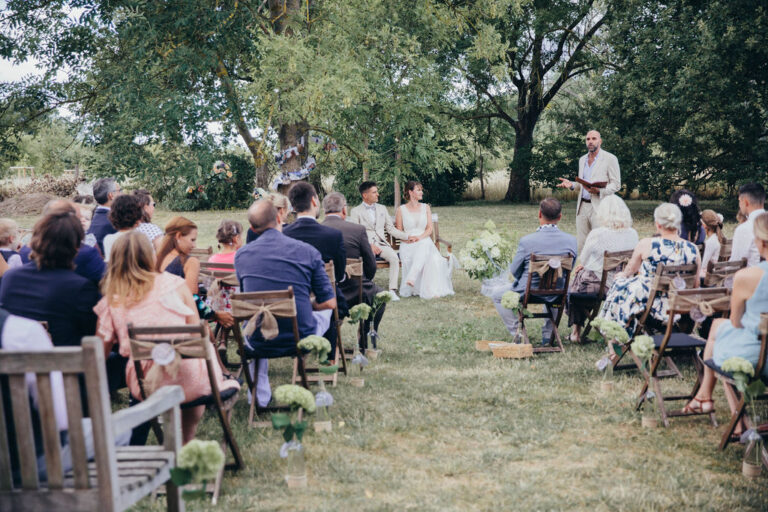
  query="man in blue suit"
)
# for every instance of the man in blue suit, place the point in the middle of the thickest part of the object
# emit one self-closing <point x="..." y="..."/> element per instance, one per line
<point x="105" y="190"/>
<point x="274" y="262"/>
<point x="329" y="241"/>
<point x="546" y="240"/>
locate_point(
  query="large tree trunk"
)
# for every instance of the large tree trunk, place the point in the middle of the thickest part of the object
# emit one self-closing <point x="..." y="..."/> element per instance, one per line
<point x="519" y="189"/>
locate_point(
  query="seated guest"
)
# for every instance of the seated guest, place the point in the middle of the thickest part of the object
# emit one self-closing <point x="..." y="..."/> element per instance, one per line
<point x="135" y="293"/>
<point x="691" y="228"/>
<point x="357" y="246"/>
<point x="738" y="336"/>
<point x="124" y="215"/>
<point x="614" y="234"/>
<point x="153" y="232"/>
<point x="48" y="288"/>
<point x="88" y="261"/>
<point x="329" y="241"/>
<point x="629" y="294"/>
<point x="713" y="225"/>
<point x="105" y="190"/>
<point x="274" y="262"/>
<point x="9" y="232"/>
<point x="283" y="206"/>
<point x="173" y="257"/>
<point x="751" y="204"/>
<point x="547" y="239"/>
<point x="230" y="237"/>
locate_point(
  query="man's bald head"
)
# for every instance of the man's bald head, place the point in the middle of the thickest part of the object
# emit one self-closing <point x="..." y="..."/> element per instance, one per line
<point x="593" y="141"/>
<point x="262" y="215"/>
<point x="59" y="206"/>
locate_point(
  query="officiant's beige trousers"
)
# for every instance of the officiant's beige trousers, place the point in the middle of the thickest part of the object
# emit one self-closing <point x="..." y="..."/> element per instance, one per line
<point x="586" y="221"/>
<point x="390" y="255"/>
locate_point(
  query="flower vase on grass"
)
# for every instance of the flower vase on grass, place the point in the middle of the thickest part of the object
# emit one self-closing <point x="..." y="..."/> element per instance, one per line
<point x="643" y="348"/>
<point x="321" y="347"/>
<point x="486" y="259"/>
<point x="379" y="301"/>
<point x="293" y="426"/>
<point x="199" y="462"/>
<point x="358" y="313"/>
<point x="323" y="400"/>
<point x="614" y="334"/>
<point x="743" y="373"/>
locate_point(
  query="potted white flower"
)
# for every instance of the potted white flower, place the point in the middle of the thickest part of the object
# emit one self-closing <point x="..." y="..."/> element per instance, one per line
<point x="293" y="426"/>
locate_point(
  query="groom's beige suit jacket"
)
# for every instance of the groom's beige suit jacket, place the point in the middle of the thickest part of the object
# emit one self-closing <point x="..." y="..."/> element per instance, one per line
<point x="606" y="168"/>
<point x="377" y="229"/>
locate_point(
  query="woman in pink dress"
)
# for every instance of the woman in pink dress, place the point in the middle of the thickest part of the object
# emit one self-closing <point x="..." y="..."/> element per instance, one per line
<point x="135" y="293"/>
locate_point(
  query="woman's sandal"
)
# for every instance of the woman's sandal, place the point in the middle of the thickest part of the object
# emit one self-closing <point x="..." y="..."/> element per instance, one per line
<point x="697" y="406"/>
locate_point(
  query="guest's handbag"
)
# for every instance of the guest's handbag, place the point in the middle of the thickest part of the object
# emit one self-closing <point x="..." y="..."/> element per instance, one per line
<point x="585" y="281"/>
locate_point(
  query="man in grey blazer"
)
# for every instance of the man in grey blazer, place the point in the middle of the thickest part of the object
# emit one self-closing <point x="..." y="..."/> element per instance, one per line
<point x="377" y="223"/>
<point x="597" y="165"/>
<point x="357" y="246"/>
<point x="548" y="240"/>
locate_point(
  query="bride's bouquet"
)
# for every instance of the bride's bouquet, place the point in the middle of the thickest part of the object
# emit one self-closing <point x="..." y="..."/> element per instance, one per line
<point x="487" y="257"/>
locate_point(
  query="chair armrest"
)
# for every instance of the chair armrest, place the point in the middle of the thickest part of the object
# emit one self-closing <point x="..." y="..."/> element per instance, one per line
<point x="448" y="245"/>
<point x="162" y="400"/>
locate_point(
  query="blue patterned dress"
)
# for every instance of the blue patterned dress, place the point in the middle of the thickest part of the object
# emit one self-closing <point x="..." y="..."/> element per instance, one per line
<point x="628" y="297"/>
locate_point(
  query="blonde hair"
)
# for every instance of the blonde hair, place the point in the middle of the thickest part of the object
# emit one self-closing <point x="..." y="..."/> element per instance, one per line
<point x="712" y="222"/>
<point x="8" y="231"/>
<point x="130" y="271"/>
<point x="280" y="201"/>
<point x="613" y="213"/>
<point x="668" y="216"/>
<point x="760" y="227"/>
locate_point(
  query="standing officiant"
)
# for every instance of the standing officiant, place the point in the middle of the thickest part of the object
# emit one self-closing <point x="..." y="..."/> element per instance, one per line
<point x="597" y="166"/>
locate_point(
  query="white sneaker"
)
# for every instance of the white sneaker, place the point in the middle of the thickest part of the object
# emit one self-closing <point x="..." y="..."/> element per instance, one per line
<point x="395" y="298"/>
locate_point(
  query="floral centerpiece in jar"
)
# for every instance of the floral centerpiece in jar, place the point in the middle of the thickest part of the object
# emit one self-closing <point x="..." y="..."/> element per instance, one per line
<point x="487" y="258"/>
<point x="321" y="347"/>
<point x="643" y="348"/>
<point x="198" y="463"/>
<point x="298" y="400"/>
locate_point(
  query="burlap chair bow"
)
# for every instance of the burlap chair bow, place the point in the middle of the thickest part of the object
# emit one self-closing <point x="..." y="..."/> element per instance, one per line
<point x="555" y="263"/>
<point x="142" y="351"/>
<point x="707" y="307"/>
<point x="355" y="269"/>
<point x="264" y="311"/>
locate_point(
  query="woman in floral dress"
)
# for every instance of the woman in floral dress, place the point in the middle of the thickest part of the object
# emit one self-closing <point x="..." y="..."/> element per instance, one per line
<point x="629" y="294"/>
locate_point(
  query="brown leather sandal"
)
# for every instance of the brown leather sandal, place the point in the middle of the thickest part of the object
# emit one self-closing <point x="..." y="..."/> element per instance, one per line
<point x="697" y="406"/>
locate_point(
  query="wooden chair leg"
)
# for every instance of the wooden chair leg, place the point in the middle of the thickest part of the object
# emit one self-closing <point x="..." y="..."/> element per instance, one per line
<point x="302" y="371"/>
<point x="660" y="401"/>
<point x="229" y="438"/>
<point x="556" y="326"/>
<point x="735" y="419"/>
<point x="340" y="350"/>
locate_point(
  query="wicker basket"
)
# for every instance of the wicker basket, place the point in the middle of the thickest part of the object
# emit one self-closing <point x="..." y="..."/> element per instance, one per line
<point x="512" y="350"/>
<point x="482" y="345"/>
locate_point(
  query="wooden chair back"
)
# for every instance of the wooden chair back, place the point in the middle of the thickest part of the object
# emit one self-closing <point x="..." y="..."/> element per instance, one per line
<point x="219" y="271"/>
<point x="539" y="264"/>
<point x="718" y="273"/>
<point x="202" y="253"/>
<point x="725" y="249"/>
<point x="663" y="281"/>
<point x="436" y="236"/>
<point x="266" y="298"/>
<point x="99" y="485"/>
<point x="330" y="270"/>
<point x="613" y="262"/>
<point x="355" y="272"/>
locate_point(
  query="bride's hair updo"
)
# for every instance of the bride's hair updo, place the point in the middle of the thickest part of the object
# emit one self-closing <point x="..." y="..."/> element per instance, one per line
<point x="410" y="186"/>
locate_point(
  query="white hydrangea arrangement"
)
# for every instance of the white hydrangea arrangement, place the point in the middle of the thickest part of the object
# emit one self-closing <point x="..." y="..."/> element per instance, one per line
<point x="198" y="462"/>
<point x="610" y="330"/>
<point x="486" y="255"/>
<point x="643" y="347"/>
<point x="317" y="345"/>
<point x="359" y="312"/>
<point x="738" y="365"/>
<point x="295" y="397"/>
<point x="743" y="375"/>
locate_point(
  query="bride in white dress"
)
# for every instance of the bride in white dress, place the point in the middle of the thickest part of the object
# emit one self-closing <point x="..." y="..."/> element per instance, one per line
<point x="426" y="272"/>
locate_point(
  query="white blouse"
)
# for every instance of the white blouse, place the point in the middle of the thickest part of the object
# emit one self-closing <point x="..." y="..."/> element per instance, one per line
<point x="604" y="239"/>
<point x="711" y="253"/>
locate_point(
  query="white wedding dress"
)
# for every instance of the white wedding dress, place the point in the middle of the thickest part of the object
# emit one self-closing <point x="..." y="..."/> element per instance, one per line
<point x="423" y="265"/>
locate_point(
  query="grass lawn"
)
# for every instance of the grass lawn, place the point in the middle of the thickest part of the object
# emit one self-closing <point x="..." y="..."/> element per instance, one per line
<point x="439" y="426"/>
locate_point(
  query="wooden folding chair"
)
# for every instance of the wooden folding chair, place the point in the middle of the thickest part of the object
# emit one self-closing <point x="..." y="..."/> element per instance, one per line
<point x="202" y="253"/>
<point x="118" y="477"/>
<point x="550" y="269"/>
<point x="313" y="372"/>
<point x="355" y="273"/>
<point x="725" y="249"/>
<point x="437" y="240"/>
<point x="612" y="262"/>
<point x="708" y="301"/>
<point x="718" y="274"/>
<point x="252" y="307"/>
<point x="216" y="276"/>
<point x="741" y="407"/>
<point x="189" y="342"/>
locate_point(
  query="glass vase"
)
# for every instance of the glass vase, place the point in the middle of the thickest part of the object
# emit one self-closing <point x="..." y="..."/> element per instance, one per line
<point x="323" y="401"/>
<point x="752" y="465"/>
<point x="607" y="382"/>
<point x="650" y="414"/>
<point x="296" y="466"/>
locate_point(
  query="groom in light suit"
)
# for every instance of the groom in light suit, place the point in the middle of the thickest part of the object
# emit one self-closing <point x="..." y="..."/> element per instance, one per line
<point x="596" y="165"/>
<point x="376" y="221"/>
